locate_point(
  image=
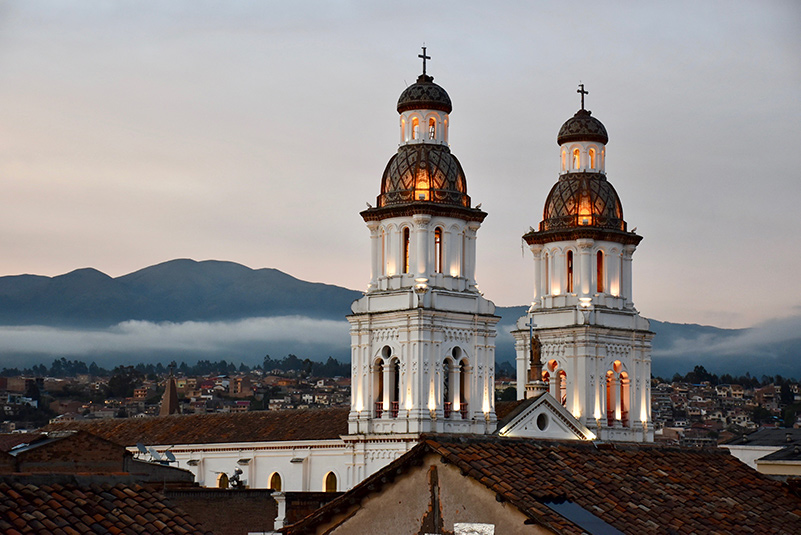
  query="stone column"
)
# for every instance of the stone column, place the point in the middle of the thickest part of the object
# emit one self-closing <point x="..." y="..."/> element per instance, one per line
<point x="470" y="252"/>
<point x="585" y="250"/>
<point x="421" y="233"/>
<point x="628" y="251"/>
<point x="536" y="250"/>
<point x="375" y="252"/>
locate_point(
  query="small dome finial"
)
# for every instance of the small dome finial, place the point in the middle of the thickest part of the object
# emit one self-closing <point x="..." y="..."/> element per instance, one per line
<point x="424" y="57"/>
<point x="579" y="90"/>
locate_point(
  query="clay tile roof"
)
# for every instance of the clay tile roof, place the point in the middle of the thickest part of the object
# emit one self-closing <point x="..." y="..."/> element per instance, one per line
<point x="57" y="508"/>
<point x="257" y="426"/>
<point x="635" y="489"/>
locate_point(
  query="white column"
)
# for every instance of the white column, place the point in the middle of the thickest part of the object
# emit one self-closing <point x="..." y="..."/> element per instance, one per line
<point x="447" y="252"/>
<point x="628" y="251"/>
<point x="470" y="253"/>
<point x="536" y="250"/>
<point x="421" y="232"/>
<point x="375" y="246"/>
<point x="560" y="264"/>
<point x="584" y="284"/>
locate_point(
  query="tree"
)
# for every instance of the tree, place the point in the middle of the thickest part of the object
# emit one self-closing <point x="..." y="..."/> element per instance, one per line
<point x="123" y="381"/>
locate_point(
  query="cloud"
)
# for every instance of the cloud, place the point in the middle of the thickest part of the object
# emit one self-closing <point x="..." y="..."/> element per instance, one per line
<point x="771" y="339"/>
<point x="203" y="339"/>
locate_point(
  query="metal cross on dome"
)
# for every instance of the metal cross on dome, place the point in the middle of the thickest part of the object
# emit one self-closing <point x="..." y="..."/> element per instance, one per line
<point x="580" y="90"/>
<point x="424" y="57"/>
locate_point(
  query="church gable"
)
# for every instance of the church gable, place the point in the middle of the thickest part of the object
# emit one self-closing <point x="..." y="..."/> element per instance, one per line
<point x="543" y="417"/>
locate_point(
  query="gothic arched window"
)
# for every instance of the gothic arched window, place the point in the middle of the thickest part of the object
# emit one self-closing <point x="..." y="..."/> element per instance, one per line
<point x="564" y="159"/>
<point x="592" y="158"/>
<point x="599" y="267"/>
<point x="406" y="238"/>
<point x="570" y="272"/>
<point x="432" y="129"/>
<point x="275" y="482"/>
<point x="576" y="159"/>
<point x="330" y="482"/>
<point x="415" y="128"/>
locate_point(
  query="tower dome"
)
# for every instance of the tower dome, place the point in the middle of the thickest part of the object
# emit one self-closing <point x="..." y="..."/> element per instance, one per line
<point x="582" y="199"/>
<point x="582" y="127"/>
<point x="424" y="95"/>
<point x="424" y="173"/>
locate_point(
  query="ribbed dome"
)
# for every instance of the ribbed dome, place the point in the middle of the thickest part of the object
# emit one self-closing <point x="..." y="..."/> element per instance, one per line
<point x="424" y="172"/>
<point x="424" y="95"/>
<point x="580" y="200"/>
<point x="582" y="127"/>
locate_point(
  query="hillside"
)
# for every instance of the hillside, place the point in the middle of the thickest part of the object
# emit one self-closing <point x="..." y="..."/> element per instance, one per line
<point x="189" y="310"/>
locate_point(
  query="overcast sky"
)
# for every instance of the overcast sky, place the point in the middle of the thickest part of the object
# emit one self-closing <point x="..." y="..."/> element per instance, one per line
<point x="136" y="132"/>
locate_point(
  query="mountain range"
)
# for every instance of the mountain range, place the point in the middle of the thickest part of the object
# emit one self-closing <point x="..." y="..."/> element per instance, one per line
<point x="184" y="309"/>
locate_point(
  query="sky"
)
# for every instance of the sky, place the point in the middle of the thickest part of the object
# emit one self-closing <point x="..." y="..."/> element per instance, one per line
<point x="135" y="132"/>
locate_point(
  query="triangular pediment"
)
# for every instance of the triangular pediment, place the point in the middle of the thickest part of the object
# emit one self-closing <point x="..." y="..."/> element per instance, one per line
<point x="544" y="417"/>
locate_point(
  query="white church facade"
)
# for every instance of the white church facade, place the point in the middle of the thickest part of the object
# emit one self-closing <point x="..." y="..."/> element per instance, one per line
<point x="423" y="336"/>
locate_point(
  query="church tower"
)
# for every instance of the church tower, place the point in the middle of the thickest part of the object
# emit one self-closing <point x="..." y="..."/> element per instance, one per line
<point x="593" y="347"/>
<point x="423" y="336"/>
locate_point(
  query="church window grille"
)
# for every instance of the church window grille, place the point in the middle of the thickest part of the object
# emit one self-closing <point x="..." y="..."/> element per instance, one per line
<point x="406" y="239"/>
<point x="415" y="128"/>
<point x="592" y="158"/>
<point x="599" y="267"/>
<point x="330" y="482"/>
<point x="446" y="387"/>
<point x="438" y="250"/>
<point x="570" y="272"/>
<point x="275" y="482"/>
<point x="576" y="159"/>
<point x="432" y="129"/>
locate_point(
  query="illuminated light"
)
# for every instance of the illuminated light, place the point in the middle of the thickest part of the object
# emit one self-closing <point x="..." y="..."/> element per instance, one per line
<point x="454" y="272"/>
<point x="585" y="211"/>
<point x="577" y="414"/>
<point x="486" y="406"/>
<point x="597" y="414"/>
<point x="421" y="186"/>
<point x="591" y="435"/>
<point x="585" y="302"/>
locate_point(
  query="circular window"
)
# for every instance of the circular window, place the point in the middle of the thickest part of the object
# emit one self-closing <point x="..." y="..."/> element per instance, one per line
<point x="457" y="353"/>
<point x="386" y="351"/>
<point x="542" y="421"/>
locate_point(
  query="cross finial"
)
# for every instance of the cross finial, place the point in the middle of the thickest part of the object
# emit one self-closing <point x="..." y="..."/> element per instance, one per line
<point x="581" y="90"/>
<point x="424" y="58"/>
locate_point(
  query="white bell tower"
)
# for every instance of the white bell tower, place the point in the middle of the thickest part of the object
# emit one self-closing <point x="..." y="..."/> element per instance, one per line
<point x="593" y="346"/>
<point x="423" y="337"/>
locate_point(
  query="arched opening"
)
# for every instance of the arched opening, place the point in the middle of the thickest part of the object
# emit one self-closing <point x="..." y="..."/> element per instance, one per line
<point x="592" y="158"/>
<point x="599" y="268"/>
<point x="570" y="272"/>
<point x="610" y="398"/>
<point x="330" y="482"/>
<point x="438" y="250"/>
<point x="406" y="238"/>
<point x="275" y="482"/>
<point x="463" y="389"/>
<point x="624" y="399"/>
<point x="222" y="480"/>
<point x="415" y="128"/>
<point x="432" y="129"/>
<point x="378" y="387"/>
<point x="564" y="159"/>
<point x="562" y="377"/>
<point x="403" y="131"/>
<point x="395" y="386"/>
<point x="576" y="159"/>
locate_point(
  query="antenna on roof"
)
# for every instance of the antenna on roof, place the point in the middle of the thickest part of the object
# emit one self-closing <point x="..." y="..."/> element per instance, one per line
<point x="154" y="454"/>
<point x="170" y="457"/>
<point x="141" y="447"/>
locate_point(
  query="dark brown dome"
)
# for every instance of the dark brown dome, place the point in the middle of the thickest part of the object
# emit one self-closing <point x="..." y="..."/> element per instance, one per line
<point x="582" y="127"/>
<point x="580" y="200"/>
<point x="423" y="172"/>
<point x="424" y="95"/>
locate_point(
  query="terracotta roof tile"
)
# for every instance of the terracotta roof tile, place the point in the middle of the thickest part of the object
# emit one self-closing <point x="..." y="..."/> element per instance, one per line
<point x="635" y="488"/>
<point x="256" y="426"/>
<point x="27" y="509"/>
